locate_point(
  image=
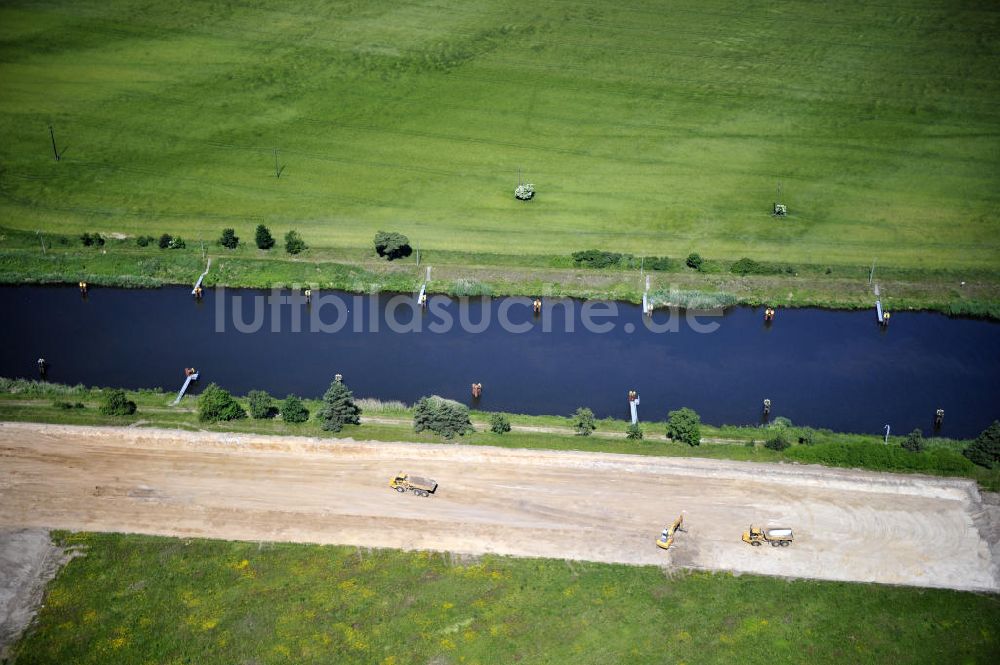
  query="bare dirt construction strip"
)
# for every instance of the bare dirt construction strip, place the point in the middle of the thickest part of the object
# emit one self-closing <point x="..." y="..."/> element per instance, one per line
<point x="28" y="560"/>
<point x="849" y="525"/>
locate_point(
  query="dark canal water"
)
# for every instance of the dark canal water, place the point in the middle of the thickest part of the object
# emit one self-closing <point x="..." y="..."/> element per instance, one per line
<point x="822" y="368"/>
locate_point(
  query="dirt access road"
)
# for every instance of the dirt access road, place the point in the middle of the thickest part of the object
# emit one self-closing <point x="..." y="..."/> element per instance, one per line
<point x="849" y="525"/>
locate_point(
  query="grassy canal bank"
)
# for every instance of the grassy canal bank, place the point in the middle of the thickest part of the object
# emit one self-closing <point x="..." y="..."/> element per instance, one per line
<point x="32" y="401"/>
<point x="120" y="262"/>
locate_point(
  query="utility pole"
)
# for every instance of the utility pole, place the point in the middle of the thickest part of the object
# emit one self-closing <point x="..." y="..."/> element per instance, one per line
<point x="871" y="274"/>
<point x="52" y="135"/>
<point x="277" y="171"/>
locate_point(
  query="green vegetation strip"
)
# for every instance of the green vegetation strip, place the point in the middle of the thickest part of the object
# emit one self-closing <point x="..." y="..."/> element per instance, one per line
<point x="32" y="401"/>
<point x="646" y="130"/>
<point x="144" y="599"/>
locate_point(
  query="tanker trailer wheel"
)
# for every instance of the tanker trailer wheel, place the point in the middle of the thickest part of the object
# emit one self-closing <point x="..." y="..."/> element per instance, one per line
<point x="785" y="543"/>
<point x="775" y="543"/>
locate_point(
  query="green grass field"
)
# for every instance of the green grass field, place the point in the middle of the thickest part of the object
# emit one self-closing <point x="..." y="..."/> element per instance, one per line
<point x="657" y="128"/>
<point x="140" y="599"/>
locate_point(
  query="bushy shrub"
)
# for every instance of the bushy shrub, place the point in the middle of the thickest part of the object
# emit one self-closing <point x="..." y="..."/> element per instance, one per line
<point x="261" y="405"/>
<point x="499" y="423"/>
<point x="684" y="425"/>
<point x="143" y="241"/>
<point x="89" y="239"/>
<point x="176" y="243"/>
<point x="294" y="244"/>
<point x="216" y="404"/>
<point x="914" y="441"/>
<point x="778" y="442"/>
<point x="392" y="245"/>
<point x="263" y="237"/>
<point x="595" y="258"/>
<point x="583" y="421"/>
<point x="293" y="410"/>
<point x="445" y="417"/>
<point x="985" y="449"/>
<point x="524" y="192"/>
<point x="657" y="263"/>
<point x="746" y="266"/>
<point x="116" y="403"/>
<point x="229" y="239"/>
<point x="62" y="404"/>
<point x="807" y="436"/>
<point x="694" y="261"/>
<point x="165" y="240"/>
<point x="338" y="408"/>
<point x="633" y="432"/>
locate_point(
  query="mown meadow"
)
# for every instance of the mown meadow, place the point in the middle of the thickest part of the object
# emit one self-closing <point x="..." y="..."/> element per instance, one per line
<point x="141" y="599"/>
<point x="649" y="127"/>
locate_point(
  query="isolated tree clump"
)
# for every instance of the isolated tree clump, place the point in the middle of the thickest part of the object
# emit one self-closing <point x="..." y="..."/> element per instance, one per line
<point x="445" y="417"/>
<point x="89" y="239"/>
<point x="524" y="192"/>
<point x="229" y="239"/>
<point x="694" y="260"/>
<point x="684" y="425"/>
<point x="985" y="449"/>
<point x="392" y="245"/>
<point x="216" y="404"/>
<point x="338" y="408"/>
<point x="117" y="403"/>
<point x="914" y="441"/>
<point x="499" y="423"/>
<point x="177" y="243"/>
<point x="165" y="240"/>
<point x="583" y="421"/>
<point x="778" y="442"/>
<point x="261" y="405"/>
<point x="294" y="243"/>
<point x="263" y="237"/>
<point x="633" y="432"/>
<point x="293" y="410"/>
<point x="144" y="241"/>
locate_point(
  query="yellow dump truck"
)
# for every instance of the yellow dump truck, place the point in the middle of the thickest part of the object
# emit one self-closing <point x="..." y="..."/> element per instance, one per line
<point x="778" y="537"/>
<point x="403" y="482"/>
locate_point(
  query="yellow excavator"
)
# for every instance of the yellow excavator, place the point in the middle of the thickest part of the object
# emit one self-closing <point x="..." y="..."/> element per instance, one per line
<point x="666" y="538"/>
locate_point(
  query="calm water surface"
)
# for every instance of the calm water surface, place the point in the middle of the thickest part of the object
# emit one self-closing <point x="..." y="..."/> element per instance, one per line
<point x="822" y="368"/>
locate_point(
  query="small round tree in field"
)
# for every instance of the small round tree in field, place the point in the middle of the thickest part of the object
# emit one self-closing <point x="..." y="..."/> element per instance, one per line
<point x="583" y="421"/>
<point x="216" y="404"/>
<point x="294" y="244"/>
<point x="633" y="432"/>
<point x="117" y="403"/>
<point x="499" y="423"/>
<point x="338" y="408"/>
<point x="263" y="237"/>
<point x="229" y="239"/>
<point x="684" y="425"/>
<point x="293" y="410"/>
<point x="985" y="449"/>
<point x="392" y="245"/>
<point x="261" y="405"/>
<point x="441" y="416"/>
<point x="914" y="441"/>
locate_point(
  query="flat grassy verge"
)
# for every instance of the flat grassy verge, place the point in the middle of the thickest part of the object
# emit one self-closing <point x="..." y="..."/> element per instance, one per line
<point x="31" y="401"/>
<point x="143" y="599"/>
<point x="121" y="263"/>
